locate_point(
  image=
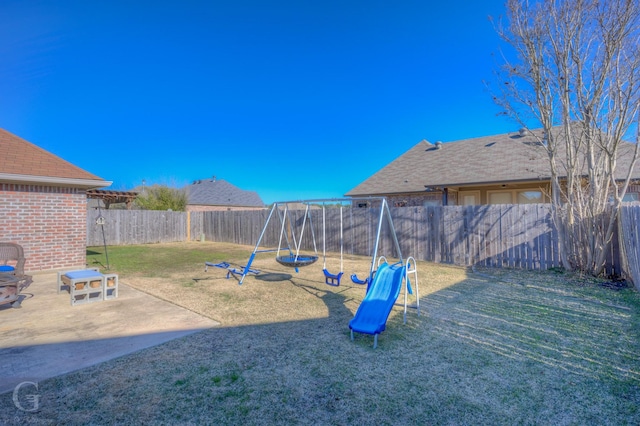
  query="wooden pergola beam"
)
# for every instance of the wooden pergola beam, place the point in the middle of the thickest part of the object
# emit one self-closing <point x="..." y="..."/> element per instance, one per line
<point x="109" y="197"/>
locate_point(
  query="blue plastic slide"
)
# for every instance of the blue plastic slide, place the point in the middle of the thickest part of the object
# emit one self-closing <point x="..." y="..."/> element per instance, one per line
<point x="372" y="314"/>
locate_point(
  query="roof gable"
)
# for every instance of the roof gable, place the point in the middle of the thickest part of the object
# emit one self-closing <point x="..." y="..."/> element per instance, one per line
<point x="20" y="157"/>
<point x="211" y="192"/>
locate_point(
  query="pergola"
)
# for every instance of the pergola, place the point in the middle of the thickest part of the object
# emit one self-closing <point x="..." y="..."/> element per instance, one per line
<point x="109" y="197"/>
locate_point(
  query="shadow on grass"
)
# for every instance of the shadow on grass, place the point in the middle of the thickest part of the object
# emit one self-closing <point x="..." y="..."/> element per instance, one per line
<point x="273" y="277"/>
<point x="335" y="301"/>
<point x="560" y="330"/>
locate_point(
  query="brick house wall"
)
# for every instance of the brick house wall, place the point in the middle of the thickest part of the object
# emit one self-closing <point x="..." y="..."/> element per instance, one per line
<point x="49" y="222"/>
<point x="414" y="200"/>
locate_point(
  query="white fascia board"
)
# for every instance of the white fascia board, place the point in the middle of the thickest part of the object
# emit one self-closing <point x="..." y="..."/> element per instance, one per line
<point x="54" y="181"/>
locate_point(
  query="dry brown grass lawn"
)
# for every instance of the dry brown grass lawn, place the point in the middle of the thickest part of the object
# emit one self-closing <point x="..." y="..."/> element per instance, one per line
<point x="492" y="347"/>
<point x="277" y="294"/>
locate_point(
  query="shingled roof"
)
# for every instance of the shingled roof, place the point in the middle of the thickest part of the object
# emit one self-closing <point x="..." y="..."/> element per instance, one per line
<point x="214" y="192"/>
<point x="23" y="162"/>
<point x="510" y="157"/>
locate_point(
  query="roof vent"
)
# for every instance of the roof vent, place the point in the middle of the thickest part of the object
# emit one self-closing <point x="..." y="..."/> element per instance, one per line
<point x="523" y="132"/>
<point x="438" y="145"/>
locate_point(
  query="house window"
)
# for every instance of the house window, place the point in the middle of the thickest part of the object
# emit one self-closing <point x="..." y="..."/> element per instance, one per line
<point x="469" y="198"/>
<point x="499" y="197"/>
<point x="430" y="203"/>
<point x="629" y="197"/>
<point x="530" y="197"/>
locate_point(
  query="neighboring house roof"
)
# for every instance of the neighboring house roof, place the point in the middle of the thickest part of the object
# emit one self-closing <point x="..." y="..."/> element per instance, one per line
<point x="213" y="192"/>
<point x="24" y="162"/>
<point x="510" y="157"/>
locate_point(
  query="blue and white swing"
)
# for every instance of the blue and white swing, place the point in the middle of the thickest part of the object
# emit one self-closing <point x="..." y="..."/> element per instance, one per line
<point x="329" y="278"/>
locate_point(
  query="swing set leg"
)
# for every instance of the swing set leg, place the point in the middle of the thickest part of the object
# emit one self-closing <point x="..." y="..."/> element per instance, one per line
<point x="246" y="268"/>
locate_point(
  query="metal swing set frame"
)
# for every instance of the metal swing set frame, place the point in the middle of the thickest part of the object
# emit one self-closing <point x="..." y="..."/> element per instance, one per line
<point x="280" y="209"/>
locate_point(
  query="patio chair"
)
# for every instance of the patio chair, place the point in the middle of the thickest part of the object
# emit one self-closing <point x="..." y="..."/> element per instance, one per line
<point x="12" y="258"/>
<point x="12" y="277"/>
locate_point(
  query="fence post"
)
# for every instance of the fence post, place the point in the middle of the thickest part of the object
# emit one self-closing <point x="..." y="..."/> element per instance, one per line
<point x="188" y="226"/>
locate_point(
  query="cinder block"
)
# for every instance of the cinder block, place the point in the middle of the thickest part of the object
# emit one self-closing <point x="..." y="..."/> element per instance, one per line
<point x="110" y="286"/>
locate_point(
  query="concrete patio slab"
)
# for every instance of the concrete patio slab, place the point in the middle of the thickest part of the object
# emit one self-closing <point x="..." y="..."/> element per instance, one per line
<point x="48" y="337"/>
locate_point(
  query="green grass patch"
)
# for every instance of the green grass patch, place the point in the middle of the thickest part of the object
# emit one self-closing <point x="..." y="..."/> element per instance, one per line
<point x="158" y="260"/>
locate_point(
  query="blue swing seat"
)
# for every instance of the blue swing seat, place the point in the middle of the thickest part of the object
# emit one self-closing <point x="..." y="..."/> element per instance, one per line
<point x="332" y="279"/>
<point x="357" y="280"/>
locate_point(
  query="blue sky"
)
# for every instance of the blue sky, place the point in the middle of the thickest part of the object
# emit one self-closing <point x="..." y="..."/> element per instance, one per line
<point x="292" y="99"/>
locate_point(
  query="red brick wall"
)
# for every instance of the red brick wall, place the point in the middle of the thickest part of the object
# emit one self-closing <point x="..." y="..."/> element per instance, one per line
<point x="50" y="223"/>
<point x="413" y="200"/>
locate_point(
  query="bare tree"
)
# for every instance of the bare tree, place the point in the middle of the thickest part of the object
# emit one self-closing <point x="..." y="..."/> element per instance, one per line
<point x="576" y="74"/>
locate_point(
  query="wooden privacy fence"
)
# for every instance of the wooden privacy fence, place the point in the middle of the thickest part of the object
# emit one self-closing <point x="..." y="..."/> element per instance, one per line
<point x="518" y="236"/>
<point x="124" y="227"/>
<point x="630" y="228"/>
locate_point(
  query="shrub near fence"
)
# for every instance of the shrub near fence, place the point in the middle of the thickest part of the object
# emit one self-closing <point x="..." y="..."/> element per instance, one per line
<point x="518" y="236"/>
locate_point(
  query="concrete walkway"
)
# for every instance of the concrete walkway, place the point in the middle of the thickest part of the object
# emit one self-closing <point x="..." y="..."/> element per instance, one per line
<point x="48" y="337"/>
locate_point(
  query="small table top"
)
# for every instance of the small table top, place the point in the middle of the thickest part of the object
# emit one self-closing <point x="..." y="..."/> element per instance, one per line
<point x="85" y="273"/>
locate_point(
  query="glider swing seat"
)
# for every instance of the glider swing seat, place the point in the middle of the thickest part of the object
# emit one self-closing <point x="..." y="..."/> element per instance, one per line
<point x="240" y="270"/>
